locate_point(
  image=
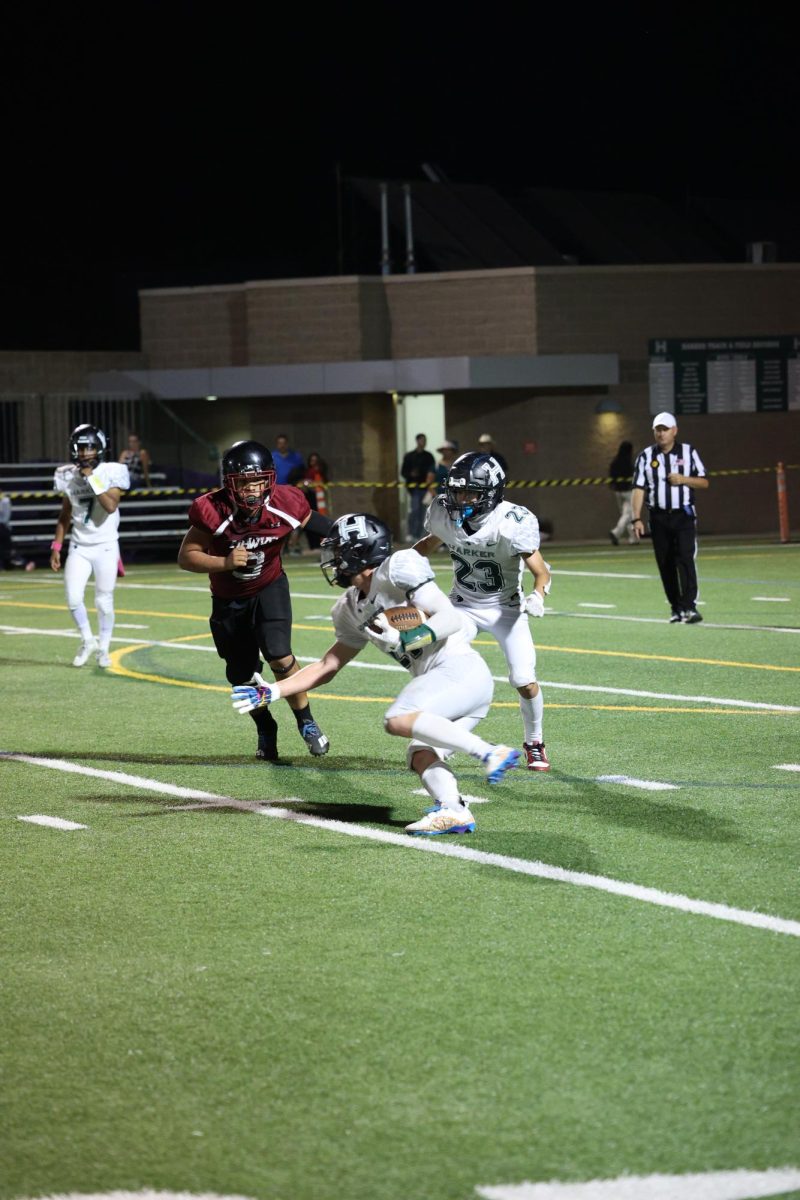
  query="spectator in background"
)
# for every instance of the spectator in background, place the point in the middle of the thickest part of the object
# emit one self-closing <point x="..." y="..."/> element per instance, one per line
<point x="418" y="469"/>
<point x="137" y="460"/>
<point x="486" y="446"/>
<point x="313" y="485"/>
<point x="448" y="451"/>
<point x="289" y="464"/>
<point x="5" y="533"/>
<point x="621" y="472"/>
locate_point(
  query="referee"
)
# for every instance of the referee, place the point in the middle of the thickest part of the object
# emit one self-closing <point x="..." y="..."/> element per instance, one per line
<point x="667" y="473"/>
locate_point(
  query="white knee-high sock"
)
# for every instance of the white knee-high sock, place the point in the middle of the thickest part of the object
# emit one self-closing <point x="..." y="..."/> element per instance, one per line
<point x="532" y="714"/>
<point x="438" y="731"/>
<point x="105" y="619"/>
<point x="440" y="784"/>
<point x="81" y="619"/>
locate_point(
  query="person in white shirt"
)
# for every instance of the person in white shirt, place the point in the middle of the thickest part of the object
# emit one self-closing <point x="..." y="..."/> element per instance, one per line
<point x="91" y="489"/>
<point x="451" y="688"/>
<point x="492" y="543"/>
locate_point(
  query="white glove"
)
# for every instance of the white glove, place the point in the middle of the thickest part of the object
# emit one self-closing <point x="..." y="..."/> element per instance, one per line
<point x="534" y="605"/>
<point x="386" y="637"/>
<point x="247" y="697"/>
<point x="96" y="483"/>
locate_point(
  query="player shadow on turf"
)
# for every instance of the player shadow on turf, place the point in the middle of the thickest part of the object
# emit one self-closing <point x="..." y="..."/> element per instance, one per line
<point x="348" y="814"/>
<point x="640" y="810"/>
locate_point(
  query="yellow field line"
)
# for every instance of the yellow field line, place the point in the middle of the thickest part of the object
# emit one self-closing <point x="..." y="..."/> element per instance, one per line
<point x="708" y="662"/>
<point x="118" y="669"/>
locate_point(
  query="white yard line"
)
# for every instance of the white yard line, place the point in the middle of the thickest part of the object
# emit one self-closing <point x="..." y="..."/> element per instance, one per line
<point x="595" y="616"/>
<point x="786" y="767"/>
<point x="520" y="866"/>
<point x="53" y="822"/>
<point x="772" y="599"/>
<point x="467" y="799"/>
<point x="591" y="604"/>
<point x="710" y="1185"/>
<point x="646" y="785"/>
<point x="600" y="689"/>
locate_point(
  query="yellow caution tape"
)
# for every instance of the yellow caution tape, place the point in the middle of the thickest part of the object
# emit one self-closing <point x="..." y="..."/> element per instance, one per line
<point x="588" y="481"/>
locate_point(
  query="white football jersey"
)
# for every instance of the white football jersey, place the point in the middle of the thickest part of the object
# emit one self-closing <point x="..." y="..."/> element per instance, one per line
<point x="91" y="524"/>
<point x="404" y="577"/>
<point x="487" y="564"/>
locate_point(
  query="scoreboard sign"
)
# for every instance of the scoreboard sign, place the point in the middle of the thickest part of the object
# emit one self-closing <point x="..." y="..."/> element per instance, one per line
<point x="724" y="375"/>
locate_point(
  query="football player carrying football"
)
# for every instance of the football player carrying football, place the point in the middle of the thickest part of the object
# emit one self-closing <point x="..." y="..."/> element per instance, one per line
<point x="236" y="537"/>
<point x="91" y="490"/>
<point x="491" y="543"/>
<point x="451" y="687"/>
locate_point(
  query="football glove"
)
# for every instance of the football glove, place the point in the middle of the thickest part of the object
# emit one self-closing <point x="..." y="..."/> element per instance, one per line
<point x="385" y="637"/>
<point x="534" y="605"/>
<point x="247" y="697"/>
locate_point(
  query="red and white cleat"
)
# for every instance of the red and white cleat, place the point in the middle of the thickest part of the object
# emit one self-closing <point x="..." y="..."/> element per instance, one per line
<point x="536" y="756"/>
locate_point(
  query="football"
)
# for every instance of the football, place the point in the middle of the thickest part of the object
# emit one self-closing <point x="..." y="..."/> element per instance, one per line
<point x="404" y="616"/>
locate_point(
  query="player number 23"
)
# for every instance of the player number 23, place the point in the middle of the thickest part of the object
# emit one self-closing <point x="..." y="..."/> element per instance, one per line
<point x="486" y="575"/>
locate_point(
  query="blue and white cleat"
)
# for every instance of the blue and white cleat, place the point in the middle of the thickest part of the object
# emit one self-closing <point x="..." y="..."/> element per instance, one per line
<point x="314" y="738"/>
<point x="499" y="760"/>
<point x="443" y="820"/>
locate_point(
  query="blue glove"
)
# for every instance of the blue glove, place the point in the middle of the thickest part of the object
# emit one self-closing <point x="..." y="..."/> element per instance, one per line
<point x="247" y="697"/>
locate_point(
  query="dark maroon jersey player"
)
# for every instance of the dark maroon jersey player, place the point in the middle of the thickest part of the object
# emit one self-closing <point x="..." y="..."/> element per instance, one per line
<point x="236" y="537"/>
<point x="262" y="535"/>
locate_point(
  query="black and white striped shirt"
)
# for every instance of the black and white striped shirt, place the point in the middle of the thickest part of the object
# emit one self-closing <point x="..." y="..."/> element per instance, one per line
<point x="653" y="467"/>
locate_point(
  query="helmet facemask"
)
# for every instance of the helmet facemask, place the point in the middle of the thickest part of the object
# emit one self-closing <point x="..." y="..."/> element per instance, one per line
<point x="87" y="446"/>
<point x="252" y="500"/>
<point x="474" y="487"/>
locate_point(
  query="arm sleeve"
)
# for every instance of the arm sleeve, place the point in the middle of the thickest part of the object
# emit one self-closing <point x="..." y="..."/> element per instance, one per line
<point x="441" y="616"/>
<point x="318" y="524"/>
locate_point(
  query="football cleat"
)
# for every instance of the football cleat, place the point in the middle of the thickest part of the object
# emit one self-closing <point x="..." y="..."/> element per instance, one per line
<point x="499" y="760"/>
<point x="268" y="746"/>
<point x="536" y="756"/>
<point x="675" y="617"/>
<point x="85" y="653"/>
<point x="443" y="820"/>
<point x="692" y="617"/>
<point x="314" y="738"/>
<point x="103" y="659"/>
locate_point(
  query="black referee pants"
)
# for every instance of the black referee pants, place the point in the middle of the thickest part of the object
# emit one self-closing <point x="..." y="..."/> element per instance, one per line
<point x="675" y="544"/>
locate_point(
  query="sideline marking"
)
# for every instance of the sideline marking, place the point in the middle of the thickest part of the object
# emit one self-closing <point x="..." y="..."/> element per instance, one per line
<point x="53" y="822"/>
<point x="710" y="1185"/>
<point x="647" y="785"/>
<point x="772" y="599"/>
<point x="786" y="767"/>
<point x="591" y="604"/>
<point x="520" y="866"/>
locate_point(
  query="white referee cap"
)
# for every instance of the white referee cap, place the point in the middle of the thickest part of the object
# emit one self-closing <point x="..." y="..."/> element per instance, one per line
<point x="664" y="418"/>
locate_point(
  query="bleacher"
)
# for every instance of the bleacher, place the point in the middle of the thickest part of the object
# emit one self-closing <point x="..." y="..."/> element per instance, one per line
<point x="150" y="518"/>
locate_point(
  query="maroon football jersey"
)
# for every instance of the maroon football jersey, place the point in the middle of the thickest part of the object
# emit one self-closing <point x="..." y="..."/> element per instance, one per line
<point x="287" y="508"/>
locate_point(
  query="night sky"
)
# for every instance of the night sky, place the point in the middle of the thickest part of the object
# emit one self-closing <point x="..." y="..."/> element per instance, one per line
<point x="157" y="145"/>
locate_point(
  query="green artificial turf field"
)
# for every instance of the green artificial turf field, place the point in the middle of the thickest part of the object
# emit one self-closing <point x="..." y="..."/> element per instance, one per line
<point x="269" y="990"/>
